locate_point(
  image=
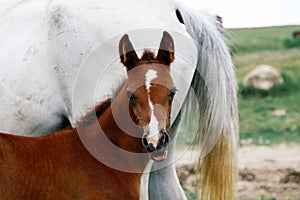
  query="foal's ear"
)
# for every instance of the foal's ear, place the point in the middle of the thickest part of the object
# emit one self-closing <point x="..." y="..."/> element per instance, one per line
<point x="165" y="53"/>
<point x="127" y="53"/>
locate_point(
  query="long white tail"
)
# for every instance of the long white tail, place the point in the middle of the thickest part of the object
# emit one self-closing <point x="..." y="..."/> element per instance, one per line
<point x="214" y="85"/>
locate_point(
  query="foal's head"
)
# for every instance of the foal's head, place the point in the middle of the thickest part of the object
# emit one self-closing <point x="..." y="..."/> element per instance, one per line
<point x="150" y="90"/>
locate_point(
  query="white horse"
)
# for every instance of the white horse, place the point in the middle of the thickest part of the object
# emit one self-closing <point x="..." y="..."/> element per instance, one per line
<point x="51" y="53"/>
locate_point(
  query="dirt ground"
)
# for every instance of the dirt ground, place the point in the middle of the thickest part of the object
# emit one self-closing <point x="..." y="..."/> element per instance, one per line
<point x="264" y="172"/>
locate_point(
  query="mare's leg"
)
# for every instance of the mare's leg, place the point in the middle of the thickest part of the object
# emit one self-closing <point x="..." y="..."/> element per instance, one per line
<point x="163" y="180"/>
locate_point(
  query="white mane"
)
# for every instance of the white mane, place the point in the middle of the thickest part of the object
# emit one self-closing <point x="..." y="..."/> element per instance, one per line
<point x="215" y="87"/>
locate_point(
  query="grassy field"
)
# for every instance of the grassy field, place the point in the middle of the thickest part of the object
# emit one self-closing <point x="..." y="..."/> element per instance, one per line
<point x="250" y="40"/>
<point x="258" y="123"/>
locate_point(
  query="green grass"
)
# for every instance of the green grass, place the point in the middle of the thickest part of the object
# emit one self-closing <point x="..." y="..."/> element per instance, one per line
<point x="279" y="59"/>
<point x="191" y="195"/>
<point x="292" y="42"/>
<point x="256" y="112"/>
<point x="258" y="124"/>
<point x="251" y="40"/>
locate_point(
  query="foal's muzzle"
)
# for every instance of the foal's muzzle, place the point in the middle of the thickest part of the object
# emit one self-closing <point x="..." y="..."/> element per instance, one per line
<point x="158" y="153"/>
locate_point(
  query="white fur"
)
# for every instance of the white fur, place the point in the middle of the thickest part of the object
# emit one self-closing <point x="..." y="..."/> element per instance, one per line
<point x="153" y="125"/>
<point x="58" y="59"/>
<point x="150" y="75"/>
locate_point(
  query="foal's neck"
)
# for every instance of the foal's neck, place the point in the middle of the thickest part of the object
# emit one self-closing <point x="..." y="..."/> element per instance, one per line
<point x="116" y="124"/>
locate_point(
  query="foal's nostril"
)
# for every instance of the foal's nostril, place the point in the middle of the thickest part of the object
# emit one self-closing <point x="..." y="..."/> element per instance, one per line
<point x="149" y="147"/>
<point x="164" y="140"/>
<point x="145" y="141"/>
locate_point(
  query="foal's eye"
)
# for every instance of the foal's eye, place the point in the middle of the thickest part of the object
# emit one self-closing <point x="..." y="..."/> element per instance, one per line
<point x="130" y="95"/>
<point x="173" y="92"/>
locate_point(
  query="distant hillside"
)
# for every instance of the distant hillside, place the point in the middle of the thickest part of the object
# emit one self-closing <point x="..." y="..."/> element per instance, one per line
<point x="249" y="40"/>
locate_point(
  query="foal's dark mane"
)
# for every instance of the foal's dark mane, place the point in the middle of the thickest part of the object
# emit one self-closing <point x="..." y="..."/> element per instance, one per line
<point x="95" y="113"/>
<point x="148" y="57"/>
<point x="100" y="109"/>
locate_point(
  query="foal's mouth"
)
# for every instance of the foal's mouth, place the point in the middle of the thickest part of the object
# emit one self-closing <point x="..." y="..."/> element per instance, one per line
<point x="158" y="157"/>
<point x="158" y="153"/>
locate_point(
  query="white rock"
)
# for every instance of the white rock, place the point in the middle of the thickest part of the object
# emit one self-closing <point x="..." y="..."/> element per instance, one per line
<point x="263" y="77"/>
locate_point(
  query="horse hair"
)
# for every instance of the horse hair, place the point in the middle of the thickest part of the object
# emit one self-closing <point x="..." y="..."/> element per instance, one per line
<point x="215" y="87"/>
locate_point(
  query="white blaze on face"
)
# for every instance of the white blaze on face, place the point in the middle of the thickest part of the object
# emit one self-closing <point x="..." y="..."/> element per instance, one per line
<point x="153" y="126"/>
<point x="150" y="75"/>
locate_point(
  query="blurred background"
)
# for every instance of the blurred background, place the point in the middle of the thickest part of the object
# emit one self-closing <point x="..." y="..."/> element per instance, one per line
<point x="264" y="40"/>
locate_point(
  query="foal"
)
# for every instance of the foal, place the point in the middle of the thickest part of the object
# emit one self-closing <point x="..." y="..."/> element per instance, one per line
<point x="58" y="166"/>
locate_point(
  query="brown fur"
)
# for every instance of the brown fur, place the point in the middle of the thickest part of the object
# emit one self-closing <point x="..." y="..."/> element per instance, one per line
<point x="58" y="166"/>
